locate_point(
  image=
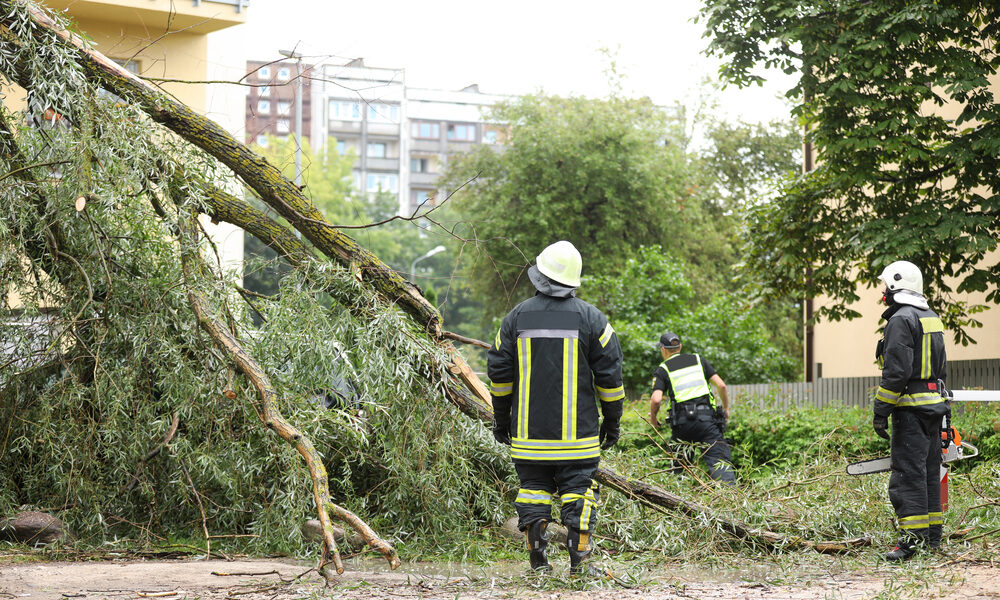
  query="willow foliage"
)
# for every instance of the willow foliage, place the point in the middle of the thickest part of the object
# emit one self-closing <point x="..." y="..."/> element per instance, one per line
<point x="100" y="349"/>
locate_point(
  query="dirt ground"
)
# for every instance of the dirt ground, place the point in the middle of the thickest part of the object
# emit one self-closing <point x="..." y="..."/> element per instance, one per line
<point x="275" y="580"/>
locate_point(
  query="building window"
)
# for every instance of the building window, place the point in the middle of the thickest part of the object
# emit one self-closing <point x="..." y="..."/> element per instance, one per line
<point x="262" y="140"/>
<point x="263" y="107"/>
<point x="282" y="126"/>
<point x="426" y="130"/>
<point x="383" y="113"/>
<point x="490" y="136"/>
<point x="376" y="150"/>
<point x="264" y="73"/>
<point x="345" y="111"/>
<point x="284" y="108"/>
<point x="264" y="91"/>
<point x="462" y="133"/>
<point x="341" y="148"/>
<point x="420" y="165"/>
<point x="382" y="182"/>
<point x="284" y="74"/>
<point x="421" y="197"/>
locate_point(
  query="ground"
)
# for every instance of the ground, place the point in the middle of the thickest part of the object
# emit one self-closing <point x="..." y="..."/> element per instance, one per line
<point x="269" y="579"/>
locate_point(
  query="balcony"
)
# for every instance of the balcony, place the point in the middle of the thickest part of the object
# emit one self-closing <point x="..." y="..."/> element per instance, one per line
<point x="424" y="179"/>
<point x="345" y="126"/>
<point x="191" y="16"/>
<point x="433" y="146"/>
<point x="382" y="164"/>
<point x="386" y="129"/>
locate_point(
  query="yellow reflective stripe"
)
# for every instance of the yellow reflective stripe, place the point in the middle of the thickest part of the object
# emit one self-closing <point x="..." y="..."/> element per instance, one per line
<point x="925" y="357"/>
<point x="566" y="384"/>
<point x="914" y="522"/>
<point x="611" y="394"/>
<point x="567" y="498"/>
<point x="533" y="497"/>
<point x="496" y="342"/>
<point x="574" y="366"/>
<point x="501" y="389"/>
<point x="931" y="325"/>
<point x="922" y="399"/>
<point x="524" y="362"/>
<point x="887" y="396"/>
<point x="935" y="518"/>
<point x="555" y="453"/>
<point x="606" y="336"/>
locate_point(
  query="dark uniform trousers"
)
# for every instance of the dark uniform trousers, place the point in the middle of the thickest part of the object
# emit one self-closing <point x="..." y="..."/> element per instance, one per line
<point x="703" y="428"/>
<point x="915" y="481"/>
<point x="569" y="483"/>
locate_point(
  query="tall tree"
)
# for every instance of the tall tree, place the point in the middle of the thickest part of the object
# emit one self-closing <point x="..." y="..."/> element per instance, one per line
<point x="600" y="173"/>
<point x="897" y="176"/>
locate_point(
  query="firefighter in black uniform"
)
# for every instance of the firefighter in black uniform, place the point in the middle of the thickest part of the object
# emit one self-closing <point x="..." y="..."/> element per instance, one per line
<point x="554" y="361"/>
<point x="695" y="416"/>
<point x="911" y="355"/>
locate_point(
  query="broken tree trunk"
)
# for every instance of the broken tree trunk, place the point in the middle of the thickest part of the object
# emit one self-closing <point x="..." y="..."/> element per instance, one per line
<point x="286" y="198"/>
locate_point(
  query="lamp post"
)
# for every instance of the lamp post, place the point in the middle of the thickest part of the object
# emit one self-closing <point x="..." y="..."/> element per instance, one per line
<point x="413" y="265"/>
<point x="298" y="112"/>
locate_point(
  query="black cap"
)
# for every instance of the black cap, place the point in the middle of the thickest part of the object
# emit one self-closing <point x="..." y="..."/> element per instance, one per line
<point x="669" y="340"/>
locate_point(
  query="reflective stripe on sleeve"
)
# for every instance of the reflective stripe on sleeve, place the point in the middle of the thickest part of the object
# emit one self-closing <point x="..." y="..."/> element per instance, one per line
<point x="887" y="396"/>
<point x="501" y="389"/>
<point x="606" y="335"/>
<point x="611" y="394"/>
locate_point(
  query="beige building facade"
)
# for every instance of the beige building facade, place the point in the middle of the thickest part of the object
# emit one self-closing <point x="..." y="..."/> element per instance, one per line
<point x="847" y="348"/>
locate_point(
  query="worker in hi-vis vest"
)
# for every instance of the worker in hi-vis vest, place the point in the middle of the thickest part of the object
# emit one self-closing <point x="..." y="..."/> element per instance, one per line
<point x="554" y="368"/>
<point x="695" y="415"/>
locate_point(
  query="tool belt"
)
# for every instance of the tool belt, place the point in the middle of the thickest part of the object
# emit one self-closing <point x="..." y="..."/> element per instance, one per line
<point x="698" y="409"/>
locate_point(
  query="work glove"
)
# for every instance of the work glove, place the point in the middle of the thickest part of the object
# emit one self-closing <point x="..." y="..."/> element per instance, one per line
<point x="880" y="424"/>
<point x="610" y="432"/>
<point x="501" y="431"/>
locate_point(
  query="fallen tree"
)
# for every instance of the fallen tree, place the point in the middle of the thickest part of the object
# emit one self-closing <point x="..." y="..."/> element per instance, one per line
<point x="167" y="182"/>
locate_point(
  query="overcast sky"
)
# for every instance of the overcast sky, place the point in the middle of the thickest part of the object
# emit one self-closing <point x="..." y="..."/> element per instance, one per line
<point x="512" y="47"/>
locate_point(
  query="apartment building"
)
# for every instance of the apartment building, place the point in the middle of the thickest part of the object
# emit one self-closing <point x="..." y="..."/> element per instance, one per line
<point x="271" y="101"/>
<point x="441" y="125"/>
<point x="402" y="137"/>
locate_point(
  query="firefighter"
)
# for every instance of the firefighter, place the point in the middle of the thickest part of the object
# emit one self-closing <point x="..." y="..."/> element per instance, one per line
<point x="912" y="358"/>
<point x="554" y="361"/>
<point x="695" y="416"/>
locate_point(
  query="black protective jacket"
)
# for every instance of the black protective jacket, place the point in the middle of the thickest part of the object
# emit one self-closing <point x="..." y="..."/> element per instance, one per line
<point x="554" y="360"/>
<point x="912" y="358"/>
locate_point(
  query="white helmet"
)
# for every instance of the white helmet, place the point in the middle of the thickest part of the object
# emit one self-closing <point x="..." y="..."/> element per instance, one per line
<point x="904" y="276"/>
<point x="561" y="262"/>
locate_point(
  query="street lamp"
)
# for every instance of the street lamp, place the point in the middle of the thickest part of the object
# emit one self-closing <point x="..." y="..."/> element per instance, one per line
<point x="298" y="112"/>
<point x="413" y="265"/>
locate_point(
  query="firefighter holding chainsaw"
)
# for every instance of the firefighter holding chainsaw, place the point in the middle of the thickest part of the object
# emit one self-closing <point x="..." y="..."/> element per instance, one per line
<point x="555" y="360"/>
<point x="912" y="358"/>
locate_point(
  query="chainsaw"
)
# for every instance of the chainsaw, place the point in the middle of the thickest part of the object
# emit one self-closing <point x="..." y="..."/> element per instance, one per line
<point x="952" y="446"/>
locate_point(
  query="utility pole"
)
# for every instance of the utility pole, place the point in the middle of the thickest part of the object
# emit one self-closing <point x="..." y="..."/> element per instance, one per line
<point x="298" y="112"/>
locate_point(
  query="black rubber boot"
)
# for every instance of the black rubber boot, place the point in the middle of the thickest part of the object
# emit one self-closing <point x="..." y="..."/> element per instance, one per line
<point x="537" y="536"/>
<point x="934" y="536"/>
<point x="905" y="548"/>
<point x="578" y="544"/>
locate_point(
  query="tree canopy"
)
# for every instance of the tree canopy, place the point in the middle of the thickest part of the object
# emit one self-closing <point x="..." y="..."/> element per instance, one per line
<point x="897" y="103"/>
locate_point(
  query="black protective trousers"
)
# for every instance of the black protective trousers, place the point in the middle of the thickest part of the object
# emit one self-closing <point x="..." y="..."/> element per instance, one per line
<point x="915" y="481"/>
<point x="718" y="456"/>
<point x="569" y="484"/>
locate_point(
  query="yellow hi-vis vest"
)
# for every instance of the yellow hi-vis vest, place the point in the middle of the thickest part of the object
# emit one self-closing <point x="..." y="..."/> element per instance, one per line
<point x="688" y="383"/>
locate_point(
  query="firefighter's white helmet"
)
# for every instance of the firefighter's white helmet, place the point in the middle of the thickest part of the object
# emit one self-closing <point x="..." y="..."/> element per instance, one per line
<point x="561" y="262"/>
<point x="903" y="279"/>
